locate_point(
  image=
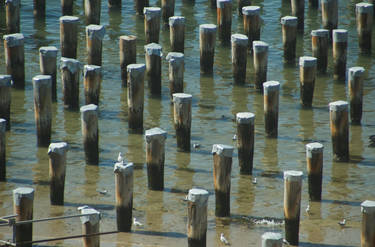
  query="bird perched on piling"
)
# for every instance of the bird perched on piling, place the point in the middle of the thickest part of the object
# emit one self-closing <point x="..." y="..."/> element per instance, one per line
<point x="120" y="158"/>
<point x="372" y="141"/>
<point x="342" y="223"/>
<point x="223" y="239"/>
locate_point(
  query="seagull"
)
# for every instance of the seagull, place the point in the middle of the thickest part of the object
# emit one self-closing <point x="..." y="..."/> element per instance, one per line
<point x="120" y="158"/>
<point x="285" y="242"/>
<point x="234" y="137"/>
<point x="342" y="223"/>
<point x="82" y="207"/>
<point x="196" y="145"/>
<point x="223" y="239"/>
<point x="254" y="181"/>
<point x="136" y="223"/>
<point x="186" y="198"/>
<point x="308" y="209"/>
<point x="103" y="192"/>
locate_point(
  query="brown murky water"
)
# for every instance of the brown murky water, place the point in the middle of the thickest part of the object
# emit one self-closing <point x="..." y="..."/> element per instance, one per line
<point x="215" y="102"/>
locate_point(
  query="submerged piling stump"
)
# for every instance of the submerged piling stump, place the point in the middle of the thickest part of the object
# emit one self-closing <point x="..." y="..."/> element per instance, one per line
<point x="314" y="161"/>
<point x="245" y="141"/>
<point x="289" y="30"/>
<point x="3" y="173"/>
<point x="68" y="36"/>
<point x="57" y="166"/>
<point x="90" y="225"/>
<point x="128" y="55"/>
<point x="251" y="23"/>
<point x="224" y="20"/>
<point x="94" y="38"/>
<point x="364" y="16"/>
<point x="135" y="94"/>
<point x="338" y="112"/>
<point x="23" y="200"/>
<point x="152" y="24"/>
<point x="260" y="59"/>
<point x="92" y="75"/>
<point x="177" y="33"/>
<point x="272" y="239"/>
<point x="368" y="223"/>
<point x="92" y="11"/>
<point x="15" y="58"/>
<point x="239" y="57"/>
<point x="176" y="73"/>
<point x="298" y="10"/>
<point x="319" y="44"/>
<point x="340" y="44"/>
<point x="153" y="54"/>
<point x="5" y="98"/>
<point x="355" y="83"/>
<point x="307" y="74"/>
<point x="70" y="76"/>
<point x="207" y="40"/>
<point x="90" y="133"/>
<point x="182" y="120"/>
<point x="12" y="12"/>
<point x="47" y="64"/>
<point x="271" y="108"/>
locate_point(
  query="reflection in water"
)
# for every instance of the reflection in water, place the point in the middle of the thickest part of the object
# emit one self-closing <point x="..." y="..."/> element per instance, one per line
<point x="40" y="35"/>
<point x="306" y="121"/>
<point x="270" y="158"/>
<point x="155" y="109"/>
<point x="92" y="176"/>
<point x="114" y="19"/>
<point x="245" y="197"/>
<point x="239" y="98"/>
<point x="135" y="149"/>
<point x="207" y="99"/>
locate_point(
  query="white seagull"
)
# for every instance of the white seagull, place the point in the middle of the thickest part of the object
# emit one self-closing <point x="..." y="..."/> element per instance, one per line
<point x="308" y="209"/>
<point x="342" y="223"/>
<point x="120" y="158"/>
<point x="254" y="181"/>
<point x="223" y="239"/>
<point x="136" y="223"/>
<point x="82" y="207"/>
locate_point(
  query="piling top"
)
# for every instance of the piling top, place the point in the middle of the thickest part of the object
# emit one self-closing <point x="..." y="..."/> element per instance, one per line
<point x="69" y="19"/>
<point x="338" y="106"/>
<point x="155" y="134"/>
<point x="368" y="207"/>
<point x="175" y="58"/>
<point x="198" y="196"/>
<point x="239" y="39"/>
<point x="364" y="8"/>
<point x="136" y="68"/>
<point x="182" y="98"/>
<point x="293" y="176"/>
<point x="95" y="31"/>
<point x="123" y="168"/>
<point x="251" y="10"/>
<point x="5" y="81"/>
<point x="306" y="61"/>
<point x="58" y="148"/>
<point x="22" y="192"/>
<point x="356" y="72"/>
<point x="207" y="28"/>
<point x="272" y="236"/>
<point x="151" y="12"/>
<point x="90" y="107"/>
<point x="3" y="124"/>
<point x="220" y="3"/>
<point x="42" y="80"/>
<point x="289" y="21"/>
<point x="314" y="147"/>
<point x="14" y="2"/>
<point x="73" y="65"/>
<point x="90" y="68"/>
<point x="176" y="20"/>
<point x="271" y="86"/>
<point x="93" y="219"/>
<point x="153" y="49"/>
<point x="340" y="35"/>
<point x="245" y="118"/>
<point x="128" y="37"/>
<point x="48" y="51"/>
<point x="223" y="150"/>
<point x="320" y="33"/>
<point x="260" y="46"/>
<point x="14" y="39"/>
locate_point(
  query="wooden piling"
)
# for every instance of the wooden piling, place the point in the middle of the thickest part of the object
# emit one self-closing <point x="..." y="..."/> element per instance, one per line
<point x="298" y="10"/>
<point x="272" y="239"/>
<point x="12" y="12"/>
<point x="314" y="4"/>
<point x="177" y="33"/>
<point x="314" y="161"/>
<point x="15" y="58"/>
<point x="47" y="64"/>
<point x="260" y="58"/>
<point x="92" y="11"/>
<point x="355" y="83"/>
<point x="92" y="75"/>
<point x="251" y="23"/>
<point x="39" y="8"/>
<point x="113" y="4"/>
<point x="245" y="141"/>
<point x="152" y="24"/>
<point x="239" y="57"/>
<point x="340" y="44"/>
<point x="140" y="5"/>
<point x="197" y="217"/>
<point x="167" y="9"/>
<point x="271" y="107"/>
<point x="292" y="205"/>
<point x="70" y="76"/>
<point x="3" y="173"/>
<point x="68" y="36"/>
<point x="153" y="54"/>
<point x="319" y="44"/>
<point x="176" y="73"/>
<point x="224" y="20"/>
<point x="90" y="225"/>
<point x="90" y="133"/>
<point x="135" y="95"/>
<point x="338" y="112"/>
<point x="23" y="199"/>
<point x="364" y="16"/>
<point x="289" y="30"/>
<point x="329" y="14"/>
<point x="94" y="38"/>
<point x="5" y="98"/>
<point x="207" y="40"/>
<point x="368" y="224"/>
<point x="182" y="120"/>
<point x="124" y="195"/>
<point x="307" y="74"/>
<point x="155" y="155"/>
<point x="57" y="166"/>
<point x="241" y="4"/>
<point x="128" y="55"/>
<point x="222" y="155"/>
<point x="66" y="7"/>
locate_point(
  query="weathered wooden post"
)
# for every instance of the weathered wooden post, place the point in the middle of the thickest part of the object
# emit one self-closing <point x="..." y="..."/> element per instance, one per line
<point x="15" y="58"/>
<point x="128" y="55"/>
<point x="23" y="199"/>
<point x="368" y="224"/>
<point x="39" y="8"/>
<point x="70" y="74"/>
<point x="152" y="24"/>
<point x="355" y="83"/>
<point x="90" y="225"/>
<point x="364" y="16"/>
<point x="113" y="4"/>
<point x="340" y="44"/>
<point x="57" y="166"/>
<point x="124" y="195"/>
<point x="153" y="67"/>
<point x="314" y="161"/>
<point x="207" y="40"/>
<point x="271" y="107"/>
<point x="66" y="7"/>
<point x="94" y="38"/>
<point x="12" y="10"/>
<point x="241" y="4"/>
<point x="292" y="205"/>
<point x="298" y="10"/>
<point x="338" y="112"/>
<point x="135" y="93"/>
<point x="92" y="75"/>
<point x="92" y="11"/>
<point x="155" y="155"/>
<point x="307" y="74"/>
<point x="289" y="29"/>
<point x="314" y="4"/>
<point x="182" y="119"/>
<point x="251" y="23"/>
<point x="239" y="57"/>
<point x="177" y="33"/>
<point x="176" y="73"/>
<point x="272" y="239"/>
<point x="167" y="9"/>
<point x="245" y="141"/>
<point x="197" y="217"/>
<point x="319" y="43"/>
<point x="68" y="36"/>
<point x="329" y="14"/>
<point x="222" y="155"/>
<point x="260" y="59"/>
<point x="5" y="98"/>
<point x="224" y="20"/>
<point x="90" y="133"/>
<point x="3" y="172"/>
<point x="47" y="64"/>
<point x="140" y="5"/>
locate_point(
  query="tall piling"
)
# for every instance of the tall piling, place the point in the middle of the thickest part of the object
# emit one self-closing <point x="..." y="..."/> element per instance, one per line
<point x="177" y="33"/>
<point x="176" y="73"/>
<point x="260" y="58"/>
<point x="90" y="133"/>
<point x="355" y="83"/>
<point x="70" y="76"/>
<point x="39" y="8"/>
<point x="90" y="225"/>
<point x="140" y="5"/>
<point x="128" y="55"/>
<point x="153" y="54"/>
<point x="92" y="75"/>
<point x="152" y="24"/>
<point x="272" y="239"/>
<point x="338" y="112"/>
<point x="12" y="12"/>
<point x="182" y="120"/>
<point x="319" y="44"/>
<point x="66" y="7"/>
<point x="224" y="20"/>
<point x="135" y="94"/>
<point x="298" y="10"/>
<point x="364" y="16"/>
<point x="15" y="58"/>
<point x="271" y="108"/>
<point x="68" y="36"/>
<point x="314" y="161"/>
<point x="251" y="23"/>
<point x="23" y="200"/>
<point x="239" y="57"/>
<point x="207" y="40"/>
<point x="57" y="166"/>
<point x="368" y="223"/>
<point x="47" y="64"/>
<point x="3" y="173"/>
<point x="289" y="30"/>
<point x="92" y="11"/>
<point x="167" y="9"/>
<point x="5" y="98"/>
<point x="307" y="74"/>
<point x="245" y="141"/>
<point x="329" y="14"/>
<point x="94" y="39"/>
<point x="340" y="44"/>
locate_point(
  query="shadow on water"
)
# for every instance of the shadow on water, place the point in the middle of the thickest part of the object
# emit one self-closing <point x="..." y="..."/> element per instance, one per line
<point x="161" y="234"/>
<point x="305" y="244"/>
<point x="97" y="206"/>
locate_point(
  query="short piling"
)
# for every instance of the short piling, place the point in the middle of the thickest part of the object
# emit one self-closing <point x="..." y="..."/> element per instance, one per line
<point x="128" y="55"/>
<point x="90" y="133"/>
<point x="197" y="200"/>
<point x="47" y="64"/>
<point x="92" y="75"/>
<point x="289" y="30"/>
<point x="368" y="223"/>
<point x="23" y="200"/>
<point x="340" y="44"/>
<point x="68" y="36"/>
<point x="245" y="141"/>
<point x="152" y="24"/>
<point x="260" y="58"/>
<point x="182" y="120"/>
<point x="176" y="73"/>
<point x="292" y="205"/>
<point x="251" y="23"/>
<point x="70" y="76"/>
<point x="155" y="156"/>
<point x="272" y="239"/>
<point x="355" y="83"/>
<point x="207" y="40"/>
<point x="307" y="74"/>
<point x="222" y="156"/>
<point x="124" y="195"/>
<point x="329" y="14"/>
<point x="364" y="16"/>
<point x="239" y="57"/>
<point x="153" y="54"/>
<point x="135" y="94"/>
<point x="5" y="98"/>
<point x="167" y="9"/>
<point x="94" y="39"/>
<point x="39" y="8"/>
<point x="271" y="108"/>
<point x="15" y="58"/>
<point x="298" y="10"/>
<point x="66" y="7"/>
<point x="90" y="225"/>
<point x="92" y="11"/>
<point x="177" y="33"/>
<point x="224" y="20"/>
<point x="12" y="12"/>
<point x="338" y="112"/>
<point x="57" y="166"/>
<point x="3" y="124"/>
<point x="314" y="161"/>
<point x="319" y="44"/>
